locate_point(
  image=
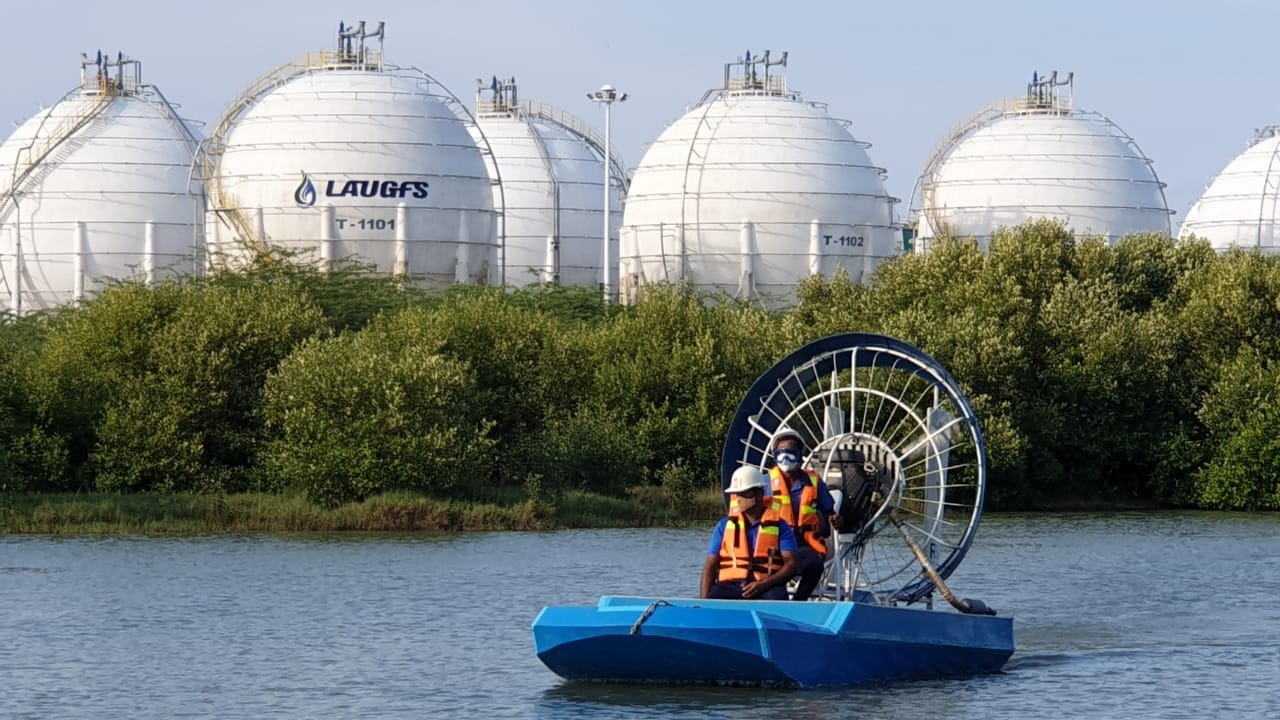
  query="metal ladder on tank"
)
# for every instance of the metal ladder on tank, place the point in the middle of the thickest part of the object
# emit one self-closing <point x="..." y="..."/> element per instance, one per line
<point x="35" y="163"/>
<point x="221" y="202"/>
<point x="69" y="126"/>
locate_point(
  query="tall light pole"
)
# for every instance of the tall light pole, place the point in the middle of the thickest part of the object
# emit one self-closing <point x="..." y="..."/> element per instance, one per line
<point x="606" y="95"/>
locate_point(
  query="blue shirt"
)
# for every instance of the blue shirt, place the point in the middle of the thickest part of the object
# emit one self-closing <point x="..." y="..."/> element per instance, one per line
<point x="786" y="537"/>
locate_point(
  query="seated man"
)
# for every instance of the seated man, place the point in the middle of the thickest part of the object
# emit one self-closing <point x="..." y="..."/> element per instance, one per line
<point x="752" y="551"/>
<point x="803" y="500"/>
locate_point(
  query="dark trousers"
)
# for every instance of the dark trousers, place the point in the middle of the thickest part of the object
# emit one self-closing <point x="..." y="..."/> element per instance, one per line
<point x="809" y="566"/>
<point x="733" y="591"/>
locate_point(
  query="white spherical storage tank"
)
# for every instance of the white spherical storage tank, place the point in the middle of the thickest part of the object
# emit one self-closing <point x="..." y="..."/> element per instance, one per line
<point x="1038" y="157"/>
<point x="338" y="157"/>
<point x="1241" y="207"/>
<point x="548" y="172"/>
<point x="753" y="190"/>
<point x="97" y="188"/>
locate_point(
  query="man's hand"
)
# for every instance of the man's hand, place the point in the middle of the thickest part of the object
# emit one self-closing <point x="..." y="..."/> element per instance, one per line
<point x="752" y="589"/>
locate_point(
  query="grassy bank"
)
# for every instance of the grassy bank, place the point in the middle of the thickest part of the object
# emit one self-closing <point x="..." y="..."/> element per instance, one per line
<point x="189" y="514"/>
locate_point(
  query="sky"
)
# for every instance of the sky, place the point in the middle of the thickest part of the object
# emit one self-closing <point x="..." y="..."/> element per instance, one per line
<point x="1186" y="79"/>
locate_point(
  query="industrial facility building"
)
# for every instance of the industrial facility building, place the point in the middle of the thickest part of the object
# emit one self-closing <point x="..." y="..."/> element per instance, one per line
<point x="547" y="168"/>
<point x="97" y="188"/>
<point x="751" y="191"/>
<point x="1038" y="156"/>
<point x="1241" y="207"/>
<point x="338" y="156"/>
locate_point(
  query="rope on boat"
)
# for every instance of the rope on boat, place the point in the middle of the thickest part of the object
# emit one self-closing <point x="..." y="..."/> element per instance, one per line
<point x="635" y="629"/>
<point x="969" y="606"/>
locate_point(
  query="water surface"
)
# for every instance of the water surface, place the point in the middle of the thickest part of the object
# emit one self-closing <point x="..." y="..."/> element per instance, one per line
<point x="1116" y="616"/>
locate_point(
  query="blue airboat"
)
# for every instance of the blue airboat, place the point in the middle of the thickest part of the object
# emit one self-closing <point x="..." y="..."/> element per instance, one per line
<point x="897" y="442"/>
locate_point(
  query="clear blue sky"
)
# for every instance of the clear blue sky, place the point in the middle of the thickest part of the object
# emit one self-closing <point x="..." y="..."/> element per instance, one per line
<point x="1187" y="79"/>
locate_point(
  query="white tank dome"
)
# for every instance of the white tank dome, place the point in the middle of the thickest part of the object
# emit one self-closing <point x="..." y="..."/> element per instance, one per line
<point x="548" y="172"/>
<point x="1038" y="157"/>
<point x="97" y="187"/>
<point x="1241" y="207"/>
<point x="753" y="190"/>
<point x="338" y="156"/>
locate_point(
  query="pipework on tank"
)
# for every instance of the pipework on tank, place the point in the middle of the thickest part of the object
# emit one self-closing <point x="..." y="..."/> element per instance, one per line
<point x="352" y="50"/>
<point x="756" y="77"/>
<point x="128" y="74"/>
<point x="1045" y="93"/>
<point x="502" y="95"/>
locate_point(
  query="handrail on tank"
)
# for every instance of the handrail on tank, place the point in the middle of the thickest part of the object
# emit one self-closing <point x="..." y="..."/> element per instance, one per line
<point x="502" y="96"/>
<point x="1045" y="94"/>
<point x="101" y="80"/>
<point x="351" y="54"/>
<point x="752" y="79"/>
<point x="1263" y="133"/>
<point x="357" y="56"/>
<point x="588" y="134"/>
<point x="105" y="90"/>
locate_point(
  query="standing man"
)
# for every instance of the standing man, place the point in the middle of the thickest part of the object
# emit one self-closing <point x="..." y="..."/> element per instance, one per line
<point x="802" y="499"/>
<point x="752" y="551"/>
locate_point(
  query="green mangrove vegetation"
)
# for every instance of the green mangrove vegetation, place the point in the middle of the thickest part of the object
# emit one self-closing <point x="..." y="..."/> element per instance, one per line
<point x="1133" y="375"/>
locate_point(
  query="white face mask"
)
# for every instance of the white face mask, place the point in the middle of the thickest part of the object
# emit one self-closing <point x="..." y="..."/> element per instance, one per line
<point x="788" y="459"/>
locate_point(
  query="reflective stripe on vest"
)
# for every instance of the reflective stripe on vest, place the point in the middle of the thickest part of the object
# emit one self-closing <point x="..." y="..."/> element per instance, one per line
<point x="738" y="562"/>
<point x="804" y="520"/>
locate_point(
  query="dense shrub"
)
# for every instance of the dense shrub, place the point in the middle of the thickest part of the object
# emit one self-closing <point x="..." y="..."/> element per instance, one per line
<point x="672" y="371"/>
<point x="190" y="420"/>
<point x="91" y="356"/>
<point x="1240" y="416"/>
<point x="1101" y="374"/>
<point x="19" y="461"/>
<point x="378" y="410"/>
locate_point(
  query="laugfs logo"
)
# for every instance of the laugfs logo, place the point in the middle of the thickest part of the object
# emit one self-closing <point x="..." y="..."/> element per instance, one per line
<point x="305" y="195"/>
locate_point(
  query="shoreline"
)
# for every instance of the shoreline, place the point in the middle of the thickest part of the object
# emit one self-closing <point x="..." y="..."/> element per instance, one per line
<point x="153" y="514"/>
<point x="185" y="514"/>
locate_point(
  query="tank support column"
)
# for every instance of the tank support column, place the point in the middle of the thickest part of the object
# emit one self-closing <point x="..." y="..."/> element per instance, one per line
<point x="81" y="246"/>
<point x="747" y="246"/>
<point x="326" y="238"/>
<point x="15" y="284"/>
<point x="815" y="254"/>
<point x="402" y="245"/>
<point x="461" y="268"/>
<point x="149" y="253"/>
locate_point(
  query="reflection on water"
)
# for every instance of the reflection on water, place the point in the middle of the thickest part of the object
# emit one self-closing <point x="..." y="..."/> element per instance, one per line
<point x="1117" y="615"/>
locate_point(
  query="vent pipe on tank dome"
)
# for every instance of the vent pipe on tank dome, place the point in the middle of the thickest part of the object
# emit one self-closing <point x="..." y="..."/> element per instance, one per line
<point x="127" y="78"/>
<point x="1046" y="95"/>
<point x="756" y="78"/>
<point x="353" y="54"/>
<point x="502" y="98"/>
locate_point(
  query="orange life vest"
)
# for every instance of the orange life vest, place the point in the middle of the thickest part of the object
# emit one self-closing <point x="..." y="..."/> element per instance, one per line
<point x="738" y="561"/>
<point x="804" y="519"/>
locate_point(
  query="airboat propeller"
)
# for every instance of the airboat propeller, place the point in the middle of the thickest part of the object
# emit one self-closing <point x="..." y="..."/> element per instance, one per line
<point x="894" y="436"/>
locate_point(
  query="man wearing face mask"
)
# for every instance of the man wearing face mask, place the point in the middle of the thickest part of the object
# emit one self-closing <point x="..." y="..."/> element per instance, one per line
<point x="752" y="551"/>
<point x="802" y="499"/>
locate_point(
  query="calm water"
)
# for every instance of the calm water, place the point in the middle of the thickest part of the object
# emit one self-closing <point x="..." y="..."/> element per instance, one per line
<point x="1116" y="616"/>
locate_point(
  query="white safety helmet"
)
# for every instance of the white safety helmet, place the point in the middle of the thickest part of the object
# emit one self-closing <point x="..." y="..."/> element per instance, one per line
<point x="786" y="432"/>
<point x="745" y="478"/>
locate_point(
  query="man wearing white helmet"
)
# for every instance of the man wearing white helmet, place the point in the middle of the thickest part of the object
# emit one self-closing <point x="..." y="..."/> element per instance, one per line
<point x="752" y="551"/>
<point x="803" y="500"/>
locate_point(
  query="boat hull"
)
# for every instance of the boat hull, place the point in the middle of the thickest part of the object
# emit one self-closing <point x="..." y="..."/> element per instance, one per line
<point x="738" y="642"/>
